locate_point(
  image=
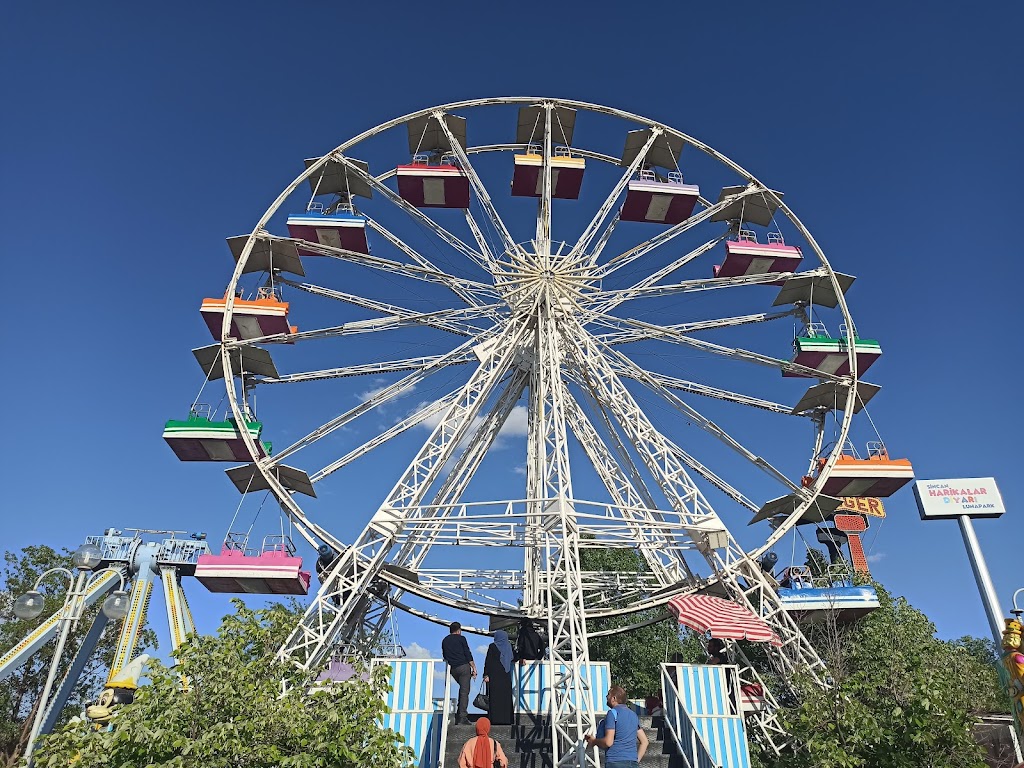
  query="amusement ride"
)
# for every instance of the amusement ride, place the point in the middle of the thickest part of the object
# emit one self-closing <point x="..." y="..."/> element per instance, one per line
<point x="488" y="335"/>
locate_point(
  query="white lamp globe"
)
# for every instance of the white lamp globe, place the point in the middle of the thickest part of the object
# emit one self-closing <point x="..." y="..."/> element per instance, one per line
<point x="115" y="607"/>
<point x="29" y="605"/>
<point x="86" y="557"/>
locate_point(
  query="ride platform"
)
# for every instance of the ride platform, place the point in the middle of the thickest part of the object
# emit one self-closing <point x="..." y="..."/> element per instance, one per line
<point x="273" y="571"/>
<point x="424" y="185"/>
<point x="265" y="315"/>
<point x="746" y="256"/>
<point x="876" y="476"/>
<point x="337" y="229"/>
<point x="811" y="601"/>
<point x="566" y="174"/>
<point x="832" y="355"/>
<point x="659" y="202"/>
<point x="199" y="438"/>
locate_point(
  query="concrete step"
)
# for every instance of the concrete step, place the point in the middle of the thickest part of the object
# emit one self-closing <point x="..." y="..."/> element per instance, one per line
<point x="527" y="743"/>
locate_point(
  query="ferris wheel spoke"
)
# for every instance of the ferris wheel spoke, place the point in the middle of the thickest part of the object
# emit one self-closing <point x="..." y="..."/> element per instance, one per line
<point x="467" y="288"/>
<point x="653" y="278"/>
<point x="663" y="558"/>
<point x="485" y="434"/>
<point x="717" y="393"/>
<point x="710" y="284"/>
<point x="578" y="252"/>
<point x="486" y="263"/>
<point x="413" y="552"/>
<point x="463" y="288"/>
<point x="437" y="320"/>
<point x="369" y="369"/>
<point x="628" y="257"/>
<point x="451" y="320"/>
<point x="599" y="376"/>
<point x="681" y="455"/>
<point x="401" y="427"/>
<point x="605" y="237"/>
<point x="621" y="451"/>
<point x="625" y="332"/>
<point x="385" y="395"/>
<point x="481" y="191"/>
<point x="544" y="209"/>
<point x="345" y="586"/>
<point x="627" y="367"/>
<point x="736" y="353"/>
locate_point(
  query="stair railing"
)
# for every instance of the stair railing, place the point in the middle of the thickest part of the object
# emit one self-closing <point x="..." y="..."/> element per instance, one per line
<point x="692" y="747"/>
<point x="446" y="705"/>
<point x="576" y="757"/>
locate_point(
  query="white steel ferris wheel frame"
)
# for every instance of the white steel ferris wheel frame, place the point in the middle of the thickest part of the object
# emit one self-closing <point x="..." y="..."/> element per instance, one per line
<point x="540" y="303"/>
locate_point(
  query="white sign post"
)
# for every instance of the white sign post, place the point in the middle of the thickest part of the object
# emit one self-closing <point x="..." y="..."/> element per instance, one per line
<point x="964" y="498"/>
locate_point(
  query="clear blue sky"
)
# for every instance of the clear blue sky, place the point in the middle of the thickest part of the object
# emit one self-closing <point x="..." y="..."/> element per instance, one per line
<point x="136" y="140"/>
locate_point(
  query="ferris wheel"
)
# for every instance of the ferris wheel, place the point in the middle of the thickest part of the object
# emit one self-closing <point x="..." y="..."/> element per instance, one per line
<point x="530" y="326"/>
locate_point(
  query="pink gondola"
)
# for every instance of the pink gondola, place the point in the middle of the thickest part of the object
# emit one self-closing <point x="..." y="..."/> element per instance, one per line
<point x="274" y="570"/>
<point x="746" y="256"/>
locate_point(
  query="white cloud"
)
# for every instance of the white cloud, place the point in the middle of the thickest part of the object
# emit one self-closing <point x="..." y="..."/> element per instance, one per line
<point x="519" y="470"/>
<point x="876" y="556"/>
<point x="515" y="424"/>
<point x="417" y="651"/>
<point x="481" y="650"/>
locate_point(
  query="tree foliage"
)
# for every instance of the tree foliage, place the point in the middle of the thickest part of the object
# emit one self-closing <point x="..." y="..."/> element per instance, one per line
<point x="20" y="691"/>
<point x="901" y="698"/>
<point x="232" y="714"/>
<point x="634" y="656"/>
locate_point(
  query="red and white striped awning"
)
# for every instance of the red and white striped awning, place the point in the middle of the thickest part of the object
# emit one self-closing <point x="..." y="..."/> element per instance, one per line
<point x="722" y="618"/>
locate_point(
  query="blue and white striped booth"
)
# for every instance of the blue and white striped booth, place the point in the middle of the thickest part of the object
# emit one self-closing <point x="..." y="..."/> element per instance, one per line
<point x="413" y="712"/>
<point x="710" y="708"/>
<point x="532" y="688"/>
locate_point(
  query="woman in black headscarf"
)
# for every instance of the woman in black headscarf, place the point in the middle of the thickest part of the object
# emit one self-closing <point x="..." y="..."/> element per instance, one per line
<point x="498" y="676"/>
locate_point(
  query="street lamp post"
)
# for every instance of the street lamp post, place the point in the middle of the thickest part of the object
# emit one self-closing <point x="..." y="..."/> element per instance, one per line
<point x="30" y="605"/>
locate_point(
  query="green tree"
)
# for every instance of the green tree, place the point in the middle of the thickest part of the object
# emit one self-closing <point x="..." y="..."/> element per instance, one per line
<point x="817" y="561"/>
<point x="232" y="714"/>
<point x="635" y="656"/>
<point x="20" y="691"/>
<point x="901" y="698"/>
<point x="987" y="691"/>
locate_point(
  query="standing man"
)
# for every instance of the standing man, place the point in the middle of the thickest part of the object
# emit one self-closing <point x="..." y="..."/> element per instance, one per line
<point x="620" y="733"/>
<point x="456" y="653"/>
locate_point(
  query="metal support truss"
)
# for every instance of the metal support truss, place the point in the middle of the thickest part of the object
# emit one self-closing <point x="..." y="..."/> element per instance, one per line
<point x="571" y="707"/>
<point x="345" y="590"/>
<point x="413" y="552"/>
<point x="741" y="577"/>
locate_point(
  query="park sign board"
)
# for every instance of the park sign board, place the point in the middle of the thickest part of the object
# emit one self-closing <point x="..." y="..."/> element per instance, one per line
<point x="970" y="496"/>
<point x="862" y="505"/>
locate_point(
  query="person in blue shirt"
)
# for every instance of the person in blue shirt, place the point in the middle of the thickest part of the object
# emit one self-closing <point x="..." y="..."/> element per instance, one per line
<point x="620" y="733"/>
